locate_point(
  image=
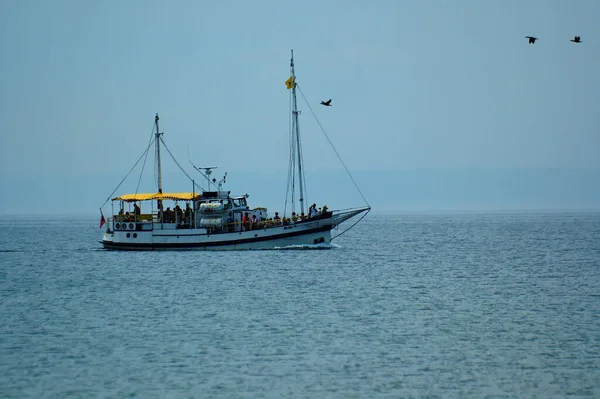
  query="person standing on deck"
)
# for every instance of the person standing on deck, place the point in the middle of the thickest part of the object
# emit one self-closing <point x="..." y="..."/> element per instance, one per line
<point x="246" y="222"/>
<point x="188" y="213"/>
<point x="230" y="222"/>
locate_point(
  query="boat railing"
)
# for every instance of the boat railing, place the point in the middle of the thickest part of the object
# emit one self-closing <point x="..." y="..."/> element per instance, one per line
<point x="271" y="223"/>
<point x="133" y="217"/>
<point x="180" y="219"/>
<point x="186" y="221"/>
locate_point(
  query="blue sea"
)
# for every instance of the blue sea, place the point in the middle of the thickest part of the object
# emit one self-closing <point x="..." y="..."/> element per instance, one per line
<point x="498" y="305"/>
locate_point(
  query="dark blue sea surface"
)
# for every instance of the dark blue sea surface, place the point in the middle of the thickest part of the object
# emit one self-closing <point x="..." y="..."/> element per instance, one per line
<point x="447" y="305"/>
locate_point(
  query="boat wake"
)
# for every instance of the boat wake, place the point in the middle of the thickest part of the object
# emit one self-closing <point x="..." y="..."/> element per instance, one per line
<point x="309" y="246"/>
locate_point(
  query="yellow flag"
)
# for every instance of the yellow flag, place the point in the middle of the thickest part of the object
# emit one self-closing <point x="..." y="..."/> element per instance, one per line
<point x="290" y="82"/>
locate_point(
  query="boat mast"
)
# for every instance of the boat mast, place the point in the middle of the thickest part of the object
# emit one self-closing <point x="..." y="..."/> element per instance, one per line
<point x="296" y="133"/>
<point x="158" y="165"/>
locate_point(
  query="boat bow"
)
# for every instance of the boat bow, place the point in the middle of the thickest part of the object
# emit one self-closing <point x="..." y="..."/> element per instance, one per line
<point x="343" y="215"/>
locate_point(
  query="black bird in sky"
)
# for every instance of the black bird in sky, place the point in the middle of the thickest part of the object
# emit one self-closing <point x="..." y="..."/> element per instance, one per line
<point x="326" y="103"/>
<point x="531" y="39"/>
<point x="576" y="39"/>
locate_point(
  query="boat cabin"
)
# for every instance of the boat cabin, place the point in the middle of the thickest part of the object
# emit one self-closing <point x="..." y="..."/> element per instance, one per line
<point x="213" y="211"/>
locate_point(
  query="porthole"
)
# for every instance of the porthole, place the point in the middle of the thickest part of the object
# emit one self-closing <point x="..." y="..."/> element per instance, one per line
<point x="128" y="235"/>
<point x="134" y="235"/>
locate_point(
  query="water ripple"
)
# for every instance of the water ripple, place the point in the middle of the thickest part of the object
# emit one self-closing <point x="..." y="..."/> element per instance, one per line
<point x="501" y="305"/>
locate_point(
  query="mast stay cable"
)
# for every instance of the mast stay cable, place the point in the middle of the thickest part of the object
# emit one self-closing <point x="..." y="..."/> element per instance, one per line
<point x="150" y="142"/>
<point x="180" y="167"/>
<point x="341" y="161"/>
<point x="130" y="170"/>
<point x="333" y="147"/>
<point x="290" y="182"/>
<point x="127" y="175"/>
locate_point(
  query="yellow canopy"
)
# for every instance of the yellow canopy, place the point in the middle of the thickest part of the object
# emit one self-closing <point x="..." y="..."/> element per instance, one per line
<point x="156" y="196"/>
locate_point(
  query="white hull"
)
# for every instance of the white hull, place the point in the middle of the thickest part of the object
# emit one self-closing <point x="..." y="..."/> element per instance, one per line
<point x="307" y="233"/>
<point x="168" y="237"/>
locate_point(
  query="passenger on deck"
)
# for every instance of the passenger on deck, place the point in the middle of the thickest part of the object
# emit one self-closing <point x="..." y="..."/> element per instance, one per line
<point x="294" y="217"/>
<point x="230" y="222"/>
<point x="312" y="211"/>
<point x="277" y="219"/>
<point x="169" y="215"/>
<point x="254" y="222"/>
<point x="188" y="213"/>
<point x="246" y="222"/>
<point x="324" y="211"/>
<point x="179" y="213"/>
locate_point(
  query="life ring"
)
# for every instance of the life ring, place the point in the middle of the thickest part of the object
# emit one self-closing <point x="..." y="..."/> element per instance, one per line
<point x="131" y="226"/>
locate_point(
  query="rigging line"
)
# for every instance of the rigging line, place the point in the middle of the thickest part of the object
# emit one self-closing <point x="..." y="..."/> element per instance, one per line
<point x="292" y="175"/>
<point x="292" y="157"/>
<point x="287" y="188"/>
<point x="353" y="224"/>
<point x="154" y="176"/>
<point x="128" y="173"/>
<point x="334" y="150"/>
<point x="144" y="164"/>
<point x="301" y="156"/>
<point x="177" y="163"/>
<point x="300" y="152"/>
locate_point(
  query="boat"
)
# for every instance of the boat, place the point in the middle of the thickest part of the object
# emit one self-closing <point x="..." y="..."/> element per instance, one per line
<point x="210" y="217"/>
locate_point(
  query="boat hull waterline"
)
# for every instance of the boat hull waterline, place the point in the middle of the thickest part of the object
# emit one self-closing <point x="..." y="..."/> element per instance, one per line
<point x="306" y="233"/>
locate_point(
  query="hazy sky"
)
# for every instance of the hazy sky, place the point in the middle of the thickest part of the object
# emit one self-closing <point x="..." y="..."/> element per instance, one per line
<point x="416" y="86"/>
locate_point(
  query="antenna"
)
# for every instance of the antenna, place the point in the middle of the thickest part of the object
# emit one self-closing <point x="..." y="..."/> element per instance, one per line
<point x="222" y="181"/>
<point x="206" y="171"/>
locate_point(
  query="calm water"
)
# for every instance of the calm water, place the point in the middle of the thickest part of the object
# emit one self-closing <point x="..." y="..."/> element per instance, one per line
<point x="486" y="305"/>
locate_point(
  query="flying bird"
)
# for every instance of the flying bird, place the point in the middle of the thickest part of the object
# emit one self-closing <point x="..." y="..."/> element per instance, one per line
<point x="576" y="39"/>
<point x="326" y="103"/>
<point x="531" y="39"/>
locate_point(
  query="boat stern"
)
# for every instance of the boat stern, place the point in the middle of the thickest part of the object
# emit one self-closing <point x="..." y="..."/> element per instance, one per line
<point x="108" y="239"/>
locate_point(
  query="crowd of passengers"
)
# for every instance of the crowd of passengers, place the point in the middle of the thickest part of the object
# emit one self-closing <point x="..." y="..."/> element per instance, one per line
<point x="176" y="214"/>
<point x="165" y="216"/>
<point x="248" y="223"/>
<point x="255" y="223"/>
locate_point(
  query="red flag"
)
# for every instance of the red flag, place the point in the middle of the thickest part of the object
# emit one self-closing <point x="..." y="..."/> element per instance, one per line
<point x="102" y="220"/>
